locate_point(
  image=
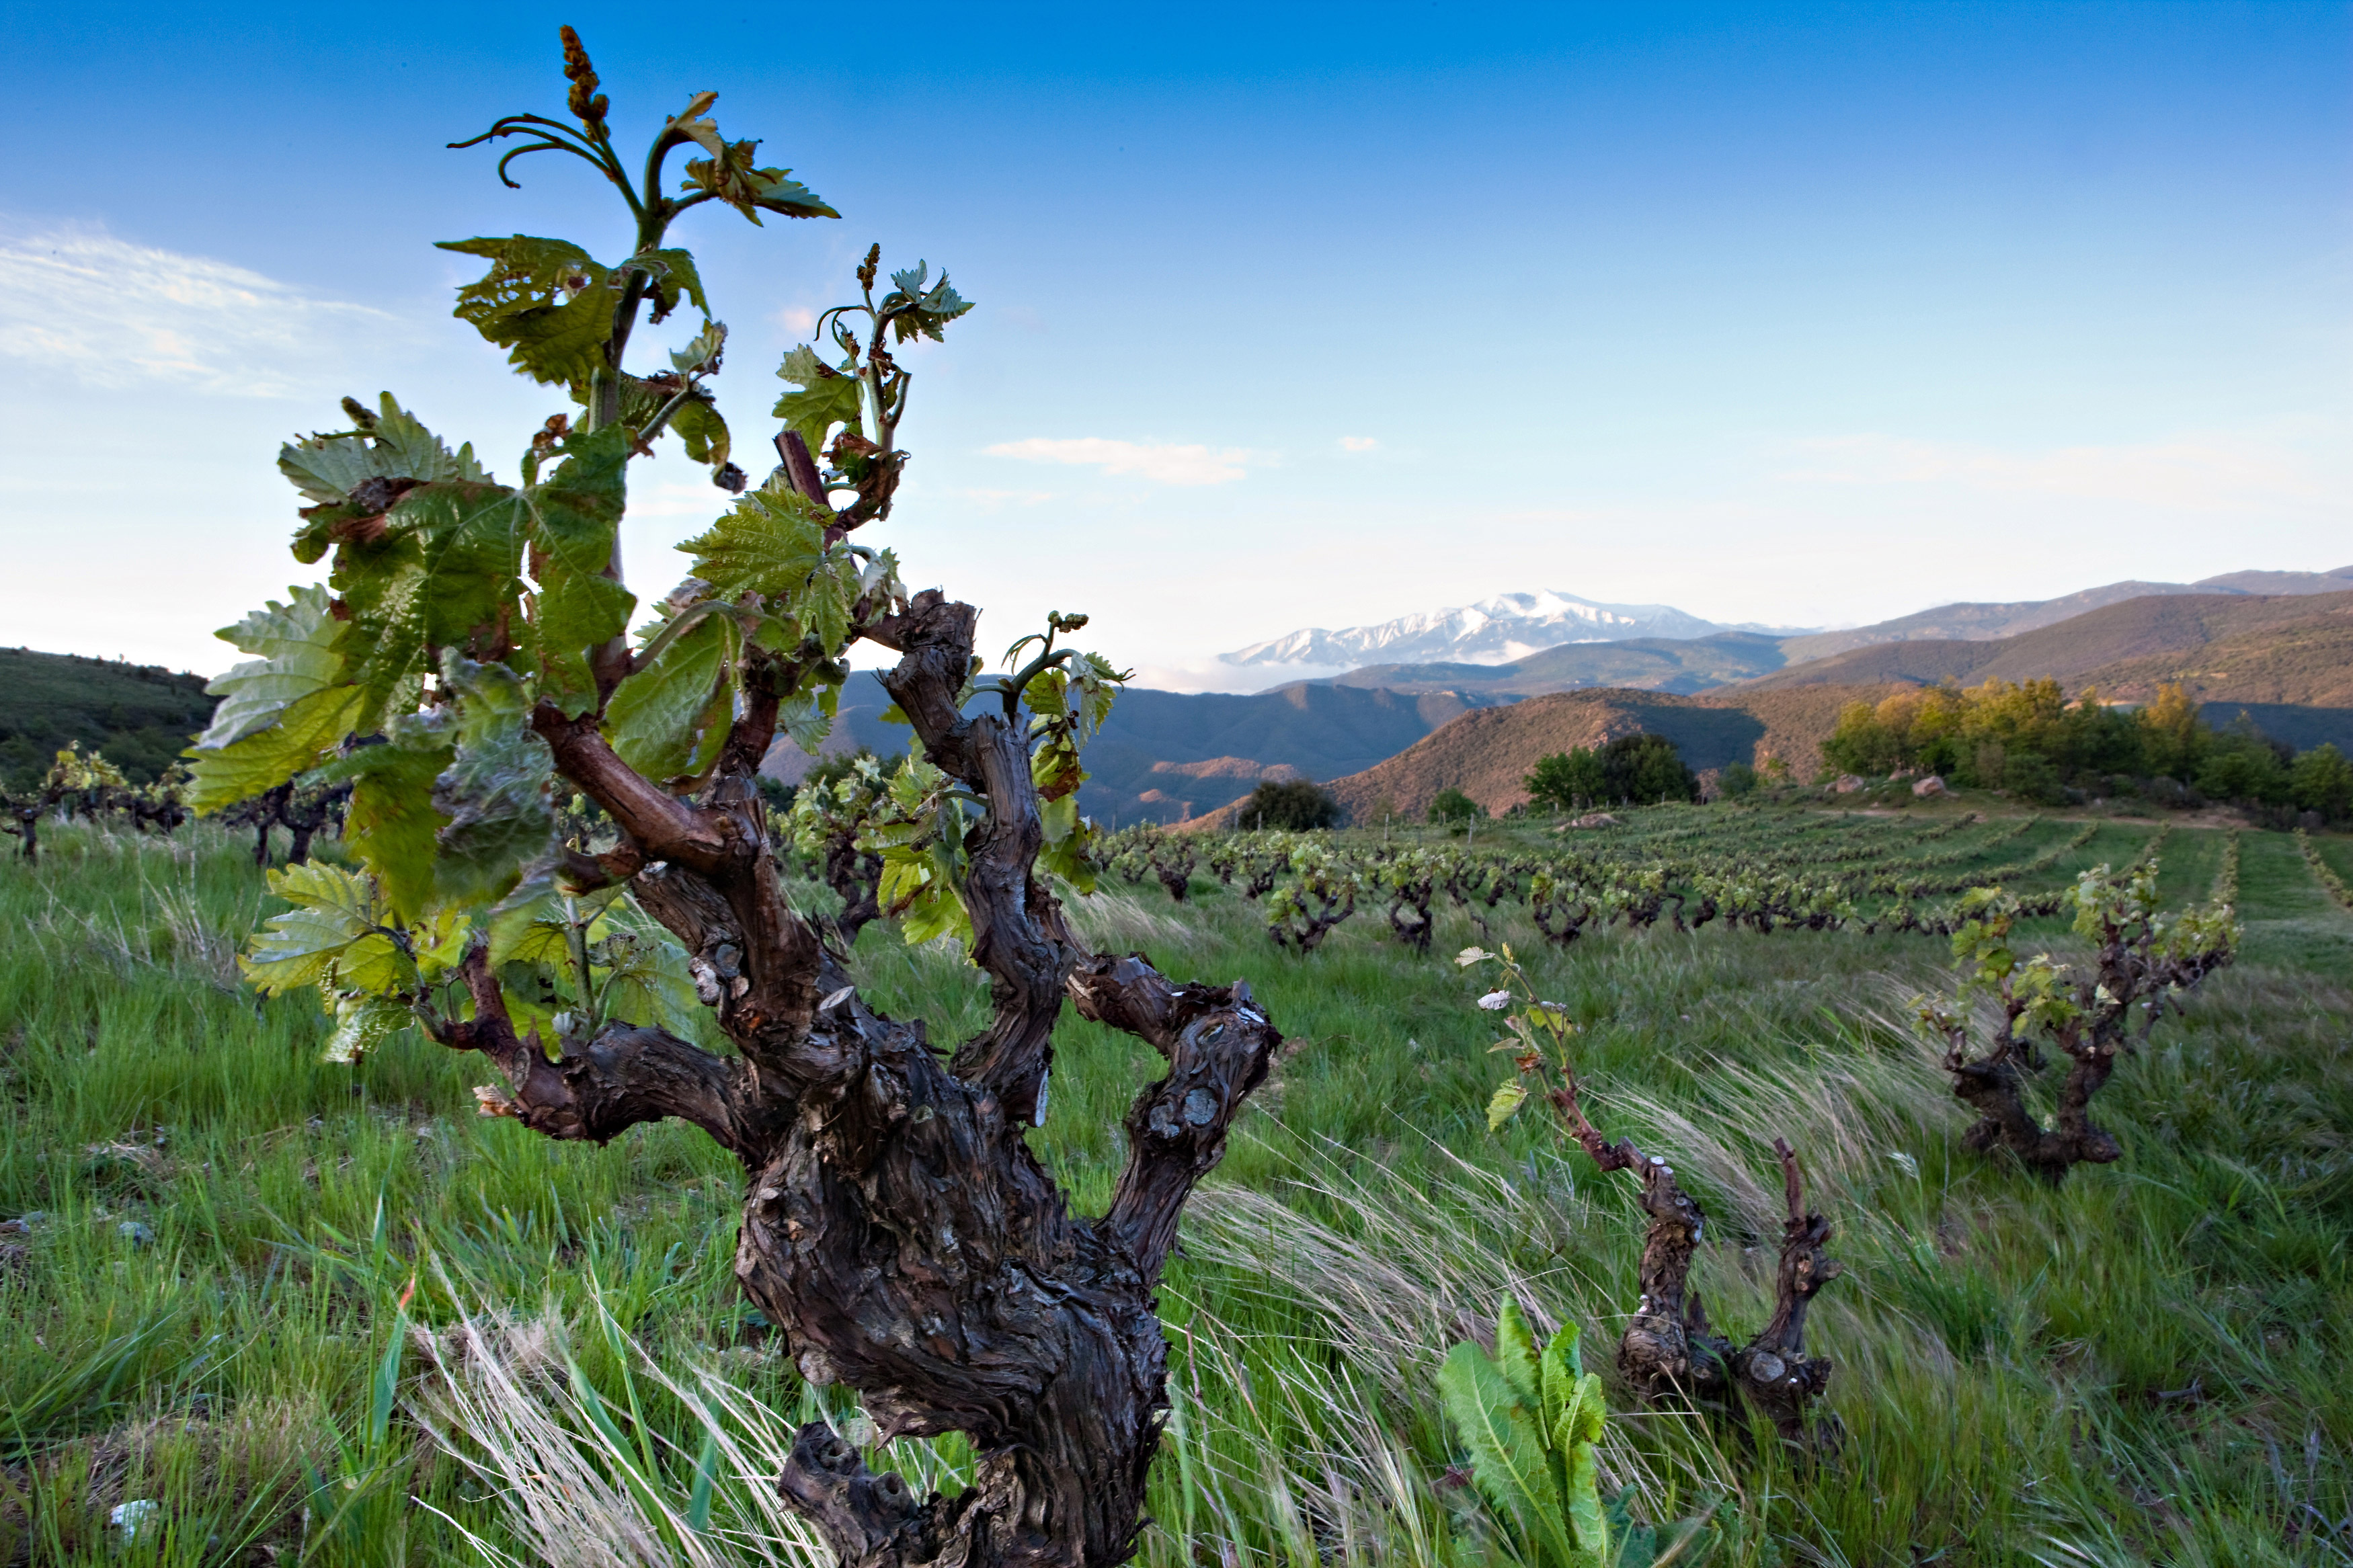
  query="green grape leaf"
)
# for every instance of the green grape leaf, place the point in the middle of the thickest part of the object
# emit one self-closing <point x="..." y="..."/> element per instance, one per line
<point x="574" y="616"/>
<point x="700" y="355"/>
<point x="728" y="175"/>
<point x="1068" y="837"/>
<point x="647" y="982"/>
<point x="576" y="511"/>
<point x="828" y="397"/>
<point x="670" y="275"/>
<point x="545" y="300"/>
<point x="917" y="312"/>
<point x="531" y="923"/>
<point x="297" y="642"/>
<point x="327" y="468"/>
<point x="392" y="821"/>
<point x="334" y="910"/>
<point x="659" y="715"/>
<point x="362" y="1023"/>
<point x="916" y="890"/>
<point x="805" y="718"/>
<point x="533" y="997"/>
<point x="704" y="433"/>
<point x="769" y="542"/>
<point x="446" y="574"/>
<point x="305" y="730"/>
<point x="495" y="791"/>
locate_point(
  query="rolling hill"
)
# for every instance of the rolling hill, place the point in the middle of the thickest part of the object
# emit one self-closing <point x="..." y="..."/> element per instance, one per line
<point x="1385" y="733"/>
<point x="1167" y="756"/>
<point x="140" y="716"/>
<point x="1985" y="622"/>
<point x="2167" y="629"/>
<point x="2286" y="663"/>
<point x="1487" y="752"/>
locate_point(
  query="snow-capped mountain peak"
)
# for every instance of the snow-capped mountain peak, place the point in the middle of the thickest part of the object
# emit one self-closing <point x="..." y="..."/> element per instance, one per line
<point x="1493" y="631"/>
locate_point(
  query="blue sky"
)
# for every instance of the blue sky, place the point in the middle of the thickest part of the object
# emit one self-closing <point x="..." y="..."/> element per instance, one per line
<point x="1287" y="316"/>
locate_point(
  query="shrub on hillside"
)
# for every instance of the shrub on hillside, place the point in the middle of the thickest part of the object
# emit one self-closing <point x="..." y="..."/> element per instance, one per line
<point x="1295" y="806"/>
<point x="1737" y="779"/>
<point x="2322" y="781"/>
<point x="1637" y="769"/>
<point x="2244" y="768"/>
<point x="1566" y="781"/>
<point x="1453" y="809"/>
<point x="1646" y="769"/>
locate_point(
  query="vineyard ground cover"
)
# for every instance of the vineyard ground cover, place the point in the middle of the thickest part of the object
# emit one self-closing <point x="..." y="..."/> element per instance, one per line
<point x="2291" y="919"/>
<point x="2143" y="1365"/>
<point x="2338" y="851"/>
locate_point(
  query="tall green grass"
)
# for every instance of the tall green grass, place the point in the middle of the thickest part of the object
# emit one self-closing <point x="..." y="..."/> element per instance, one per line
<point x="352" y="1319"/>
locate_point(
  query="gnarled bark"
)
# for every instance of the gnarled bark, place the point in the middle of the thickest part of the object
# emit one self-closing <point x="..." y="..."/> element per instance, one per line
<point x="896" y="1227"/>
<point x="1669" y="1351"/>
<point x="2133" y="979"/>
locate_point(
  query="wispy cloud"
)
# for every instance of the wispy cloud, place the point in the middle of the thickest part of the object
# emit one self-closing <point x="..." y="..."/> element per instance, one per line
<point x="110" y="313"/>
<point x="1358" y="443"/>
<point x="1163" y="463"/>
<point x="998" y="500"/>
<point x="2190" y="473"/>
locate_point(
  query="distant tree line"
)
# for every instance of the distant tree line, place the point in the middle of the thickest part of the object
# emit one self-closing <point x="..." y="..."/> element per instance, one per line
<point x="2030" y="739"/>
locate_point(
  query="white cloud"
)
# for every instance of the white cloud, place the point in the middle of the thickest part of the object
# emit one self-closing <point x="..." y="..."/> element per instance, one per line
<point x="1162" y="462"/>
<point x="113" y="314"/>
<point x="1190" y="675"/>
<point x="1357" y="443"/>
<point x="798" y="319"/>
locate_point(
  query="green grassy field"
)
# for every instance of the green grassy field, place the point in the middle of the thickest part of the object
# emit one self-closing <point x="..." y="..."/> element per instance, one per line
<point x="328" y="1310"/>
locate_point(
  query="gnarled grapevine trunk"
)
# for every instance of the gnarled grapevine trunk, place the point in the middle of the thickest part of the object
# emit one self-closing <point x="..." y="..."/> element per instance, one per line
<point x="896" y="1226"/>
<point x="1669" y="1351"/>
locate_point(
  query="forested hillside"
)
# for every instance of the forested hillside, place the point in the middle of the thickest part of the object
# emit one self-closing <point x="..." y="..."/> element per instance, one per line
<point x="1488" y="753"/>
<point x="139" y="716"/>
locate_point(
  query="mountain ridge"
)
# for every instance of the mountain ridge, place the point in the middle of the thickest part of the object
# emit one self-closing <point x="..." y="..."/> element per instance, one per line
<point x="1515" y="628"/>
<point x="1494" y="630"/>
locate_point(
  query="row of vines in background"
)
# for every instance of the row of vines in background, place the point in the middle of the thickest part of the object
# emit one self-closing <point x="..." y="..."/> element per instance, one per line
<point x="1761" y="871"/>
<point x="1763" y="877"/>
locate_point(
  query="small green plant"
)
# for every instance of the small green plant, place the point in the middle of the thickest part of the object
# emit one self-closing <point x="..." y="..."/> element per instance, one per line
<point x="361" y="1508"/>
<point x="1531" y="1421"/>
